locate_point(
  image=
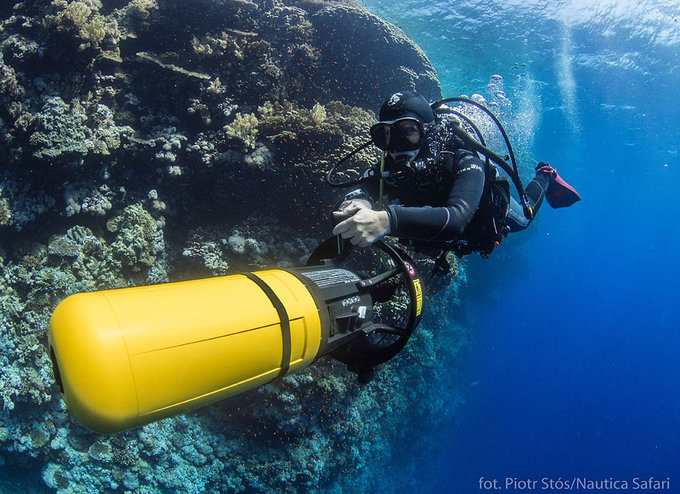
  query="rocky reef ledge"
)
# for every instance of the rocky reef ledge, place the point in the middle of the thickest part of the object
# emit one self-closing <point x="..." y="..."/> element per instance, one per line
<point x="147" y="141"/>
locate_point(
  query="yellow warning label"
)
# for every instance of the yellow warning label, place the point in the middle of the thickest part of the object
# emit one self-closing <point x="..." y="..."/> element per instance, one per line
<point x="419" y="296"/>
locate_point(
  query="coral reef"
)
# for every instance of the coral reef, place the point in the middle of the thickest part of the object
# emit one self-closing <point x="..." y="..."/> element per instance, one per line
<point x="146" y="141"/>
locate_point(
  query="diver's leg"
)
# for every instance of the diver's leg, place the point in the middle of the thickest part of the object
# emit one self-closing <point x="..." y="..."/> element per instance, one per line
<point x="516" y="220"/>
<point x="535" y="193"/>
<point x="546" y="184"/>
<point x="537" y="188"/>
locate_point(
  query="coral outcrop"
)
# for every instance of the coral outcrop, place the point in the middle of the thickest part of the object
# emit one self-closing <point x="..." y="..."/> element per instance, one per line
<point x="146" y="141"/>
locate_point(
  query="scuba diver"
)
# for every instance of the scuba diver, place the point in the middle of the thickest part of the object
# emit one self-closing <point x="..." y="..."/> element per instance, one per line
<point x="440" y="192"/>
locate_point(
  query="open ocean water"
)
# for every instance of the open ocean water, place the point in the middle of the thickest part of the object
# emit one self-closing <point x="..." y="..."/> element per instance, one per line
<point x="572" y="381"/>
<point x="574" y="371"/>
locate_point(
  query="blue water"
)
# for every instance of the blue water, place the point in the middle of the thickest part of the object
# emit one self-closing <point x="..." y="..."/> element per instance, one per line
<point x="574" y="367"/>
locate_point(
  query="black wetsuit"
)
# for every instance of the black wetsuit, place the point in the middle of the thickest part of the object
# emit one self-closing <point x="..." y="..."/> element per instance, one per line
<point x="437" y="209"/>
<point x="441" y="199"/>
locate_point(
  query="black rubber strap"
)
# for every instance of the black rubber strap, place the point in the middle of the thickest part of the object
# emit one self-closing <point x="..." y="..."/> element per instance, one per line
<point x="283" y="317"/>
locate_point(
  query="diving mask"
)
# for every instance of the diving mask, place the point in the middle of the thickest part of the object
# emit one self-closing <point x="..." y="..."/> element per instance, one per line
<point x="404" y="134"/>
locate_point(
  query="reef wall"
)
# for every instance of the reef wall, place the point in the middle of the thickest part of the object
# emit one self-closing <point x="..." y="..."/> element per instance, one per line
<point x="152" y="140"/>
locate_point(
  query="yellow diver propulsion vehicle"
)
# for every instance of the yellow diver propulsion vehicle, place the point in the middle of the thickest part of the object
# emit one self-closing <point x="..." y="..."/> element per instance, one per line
<point x="123" y="358"/>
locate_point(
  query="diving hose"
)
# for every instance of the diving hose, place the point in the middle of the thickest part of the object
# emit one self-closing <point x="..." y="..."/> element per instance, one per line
<point x="512" y="172"/>
<point x="381" y="186"/>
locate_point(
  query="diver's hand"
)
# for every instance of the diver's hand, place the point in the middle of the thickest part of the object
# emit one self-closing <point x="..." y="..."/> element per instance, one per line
<point x="348" y="208"/>
<point x="363" y="227"/>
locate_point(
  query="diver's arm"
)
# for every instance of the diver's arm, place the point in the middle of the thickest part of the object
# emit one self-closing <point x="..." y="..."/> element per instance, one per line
<point x="444" y="223"/>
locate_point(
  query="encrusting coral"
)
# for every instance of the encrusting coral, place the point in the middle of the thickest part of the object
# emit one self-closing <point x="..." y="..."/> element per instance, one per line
<point x="143" y="142"/>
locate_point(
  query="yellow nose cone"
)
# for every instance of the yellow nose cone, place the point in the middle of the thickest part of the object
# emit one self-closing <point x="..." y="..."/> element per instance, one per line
<point x="127" y="357"/>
